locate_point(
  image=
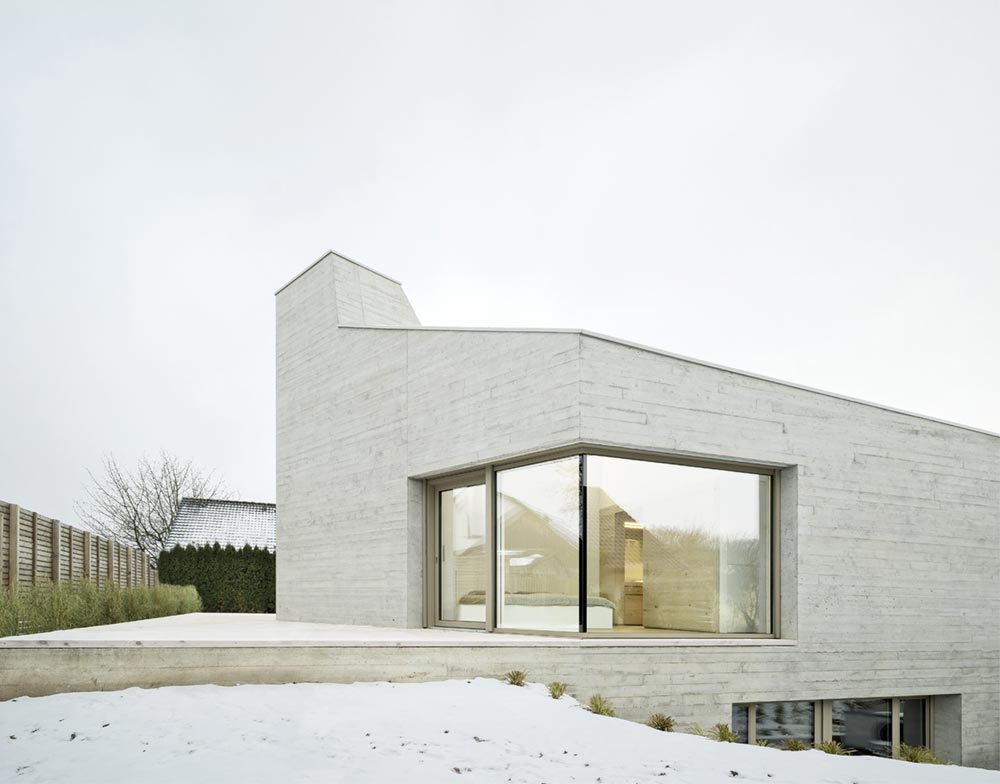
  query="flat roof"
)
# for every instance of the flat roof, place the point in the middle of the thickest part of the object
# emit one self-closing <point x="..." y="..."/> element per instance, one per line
<point x="640" y="347"/>
<point x="692" y="360"/>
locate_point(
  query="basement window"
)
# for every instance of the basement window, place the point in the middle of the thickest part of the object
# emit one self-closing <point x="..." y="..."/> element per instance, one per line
<point x="870" y="727"/>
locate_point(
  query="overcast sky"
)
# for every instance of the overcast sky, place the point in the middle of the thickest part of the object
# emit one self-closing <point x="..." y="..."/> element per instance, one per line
<point x="809" y="191"/>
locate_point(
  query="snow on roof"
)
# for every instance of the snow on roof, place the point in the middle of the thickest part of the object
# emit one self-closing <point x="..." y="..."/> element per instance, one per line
<point x="207" y="520"/>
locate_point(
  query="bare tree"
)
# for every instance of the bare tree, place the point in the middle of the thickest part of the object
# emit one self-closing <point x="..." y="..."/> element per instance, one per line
<point x="137" y="507"/>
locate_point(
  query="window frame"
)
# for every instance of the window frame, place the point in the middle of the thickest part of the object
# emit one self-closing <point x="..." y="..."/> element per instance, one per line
<point x="432" y="596"/>
<point x="486" y="474"/>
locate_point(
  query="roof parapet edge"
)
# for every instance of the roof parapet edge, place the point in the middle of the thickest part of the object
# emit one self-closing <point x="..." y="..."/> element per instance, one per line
<point x="683" y="358"/>
<point x="345" y="258"/>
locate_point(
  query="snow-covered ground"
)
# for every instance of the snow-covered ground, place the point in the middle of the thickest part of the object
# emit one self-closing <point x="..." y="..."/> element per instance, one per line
<point x="477" y="731"/>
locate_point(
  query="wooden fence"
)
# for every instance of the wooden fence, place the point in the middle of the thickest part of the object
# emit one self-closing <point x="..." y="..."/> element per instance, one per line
<point x="35" y="549"/>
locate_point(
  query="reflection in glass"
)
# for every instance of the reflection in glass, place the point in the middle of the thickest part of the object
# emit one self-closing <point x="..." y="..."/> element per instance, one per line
<point x="462" y="558"/>
<point x="741" y="723"/>
<point x="777" y="722"/>
<point x="911" y="722"/>
<point x="538" y="547"/>
<point x="864" y="725"/>
<point x="678" y="547"/>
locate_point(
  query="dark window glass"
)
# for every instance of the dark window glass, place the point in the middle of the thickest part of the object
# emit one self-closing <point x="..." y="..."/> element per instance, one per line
<point x="777" y="722"/>
<point x="864" y="726"/>
<point x="741" y="723"/>
<point x="911" y="722"/>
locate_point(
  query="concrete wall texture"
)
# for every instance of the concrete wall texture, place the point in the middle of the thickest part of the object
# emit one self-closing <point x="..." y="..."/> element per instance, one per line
<point x="890" y="522"/>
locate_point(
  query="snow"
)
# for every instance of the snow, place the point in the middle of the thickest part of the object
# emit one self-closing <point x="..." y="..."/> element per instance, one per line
<point x="453" y="731"/>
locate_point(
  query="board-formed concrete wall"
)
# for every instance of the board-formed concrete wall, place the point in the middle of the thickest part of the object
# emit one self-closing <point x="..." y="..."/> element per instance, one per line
<point x="890" y="522"/>
<point x="341" y="475"/>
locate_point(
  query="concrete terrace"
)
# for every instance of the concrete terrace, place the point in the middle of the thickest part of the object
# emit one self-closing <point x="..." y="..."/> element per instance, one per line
<point x="224" y="630"/>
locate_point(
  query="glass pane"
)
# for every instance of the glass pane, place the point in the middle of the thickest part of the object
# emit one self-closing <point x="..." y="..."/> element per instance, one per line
<point x="911" y="722"/>
<point x="777" y="722"/>
<point x="677" y="547"/>
<point x="538" y="547"/>
<point x="462" y="560"/>
<point x="864" y="725"/>
<point x="741" y="725"/>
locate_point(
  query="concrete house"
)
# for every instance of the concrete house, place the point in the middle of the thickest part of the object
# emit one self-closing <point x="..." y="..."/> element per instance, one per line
<point x="673" y="535"/>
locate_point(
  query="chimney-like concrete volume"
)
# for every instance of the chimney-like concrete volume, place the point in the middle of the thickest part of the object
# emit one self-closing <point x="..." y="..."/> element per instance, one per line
<point x="356" y="295"/>
<point x="344" y="547"/>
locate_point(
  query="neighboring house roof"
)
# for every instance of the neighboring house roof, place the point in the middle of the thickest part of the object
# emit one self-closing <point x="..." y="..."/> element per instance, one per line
<point x="206" y="521"/>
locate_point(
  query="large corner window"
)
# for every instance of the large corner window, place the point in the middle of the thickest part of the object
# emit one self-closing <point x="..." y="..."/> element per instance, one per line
<point x="608" y="545"/>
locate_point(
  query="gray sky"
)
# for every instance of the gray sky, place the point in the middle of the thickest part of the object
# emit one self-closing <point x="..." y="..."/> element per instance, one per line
<point x="809" y="191"/>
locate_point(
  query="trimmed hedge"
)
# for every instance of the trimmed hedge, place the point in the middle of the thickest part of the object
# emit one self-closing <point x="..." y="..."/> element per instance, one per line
<point x="227" y="579"/>
<point x="46" y="607"/>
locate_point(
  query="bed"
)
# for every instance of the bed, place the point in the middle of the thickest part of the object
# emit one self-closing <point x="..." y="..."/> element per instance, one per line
<point x="539" y="610"/>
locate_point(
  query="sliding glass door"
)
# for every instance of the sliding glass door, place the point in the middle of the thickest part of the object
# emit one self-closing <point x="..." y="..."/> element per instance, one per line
<point x="461" y="555"/>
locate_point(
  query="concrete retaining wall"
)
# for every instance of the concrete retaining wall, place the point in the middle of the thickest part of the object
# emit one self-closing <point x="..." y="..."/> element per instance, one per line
<point x="637" y="680"/>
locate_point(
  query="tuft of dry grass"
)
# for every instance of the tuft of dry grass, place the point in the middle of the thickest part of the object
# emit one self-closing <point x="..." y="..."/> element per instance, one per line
<point x="556" y="689"/>
<point x="661" y="722"/>
<point x="919" y="754"/>
<point x="834" y="747"/>
<point x="515" y="677"/>
<point x="600" y="706"/>
<point x="722" y="733"/>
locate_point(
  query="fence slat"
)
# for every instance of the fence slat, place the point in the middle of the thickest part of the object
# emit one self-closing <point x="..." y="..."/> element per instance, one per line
<point x="55" y="538"/>
<point x="88" y="546"/>
<point x="3" y="540"/>
<point x="14" y="547"/>
<point x="34" y="547"/>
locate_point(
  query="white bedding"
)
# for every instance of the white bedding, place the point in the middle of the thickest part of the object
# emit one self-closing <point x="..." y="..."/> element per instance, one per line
<point x="557" y="618"/>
